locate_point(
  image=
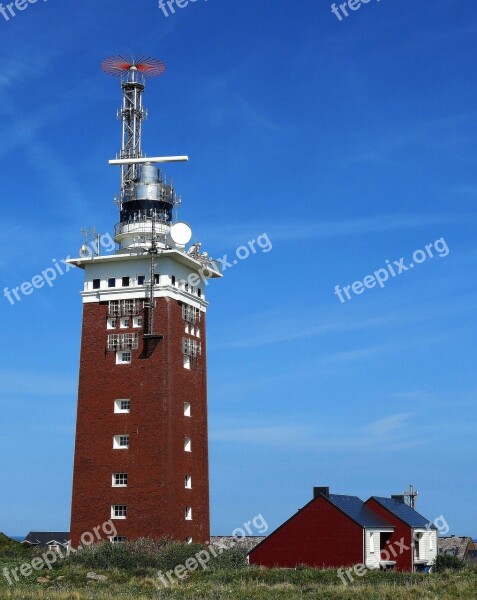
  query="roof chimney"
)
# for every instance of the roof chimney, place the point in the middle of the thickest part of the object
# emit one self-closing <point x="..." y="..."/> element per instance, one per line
<point x="321" y="491"/>
<point x="399" y="498"/>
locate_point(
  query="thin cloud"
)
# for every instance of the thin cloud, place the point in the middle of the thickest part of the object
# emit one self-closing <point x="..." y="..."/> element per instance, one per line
<point x="386" y="434"/>
<point x="239" y="234"/>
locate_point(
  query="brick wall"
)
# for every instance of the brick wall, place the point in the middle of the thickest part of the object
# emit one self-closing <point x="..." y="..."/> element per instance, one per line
<point x="156" y="462"/>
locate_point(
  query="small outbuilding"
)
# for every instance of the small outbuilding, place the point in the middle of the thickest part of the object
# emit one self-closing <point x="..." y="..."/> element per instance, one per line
<point x="332" y="530"/>
<point x="336" y="531"/>
<point x="52" y="540"/>
<point x="461" y="547"/>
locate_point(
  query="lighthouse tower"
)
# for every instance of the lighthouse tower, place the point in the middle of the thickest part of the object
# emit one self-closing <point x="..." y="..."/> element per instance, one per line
<point x="141" y="452"/>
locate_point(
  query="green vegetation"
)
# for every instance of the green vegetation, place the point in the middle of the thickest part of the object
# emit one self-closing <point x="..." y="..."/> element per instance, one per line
<point x="127" y="571"/>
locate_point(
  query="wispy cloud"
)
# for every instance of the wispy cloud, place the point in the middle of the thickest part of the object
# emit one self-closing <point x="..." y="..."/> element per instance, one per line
<point x="303" y="231"/>
<point x="274" y="328"/>
<point x="17" y="383"/>
<point x="386" y="434"/>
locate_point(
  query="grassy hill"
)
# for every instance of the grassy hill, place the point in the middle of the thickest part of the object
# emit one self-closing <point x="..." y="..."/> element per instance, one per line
<point x="130" y="571"/>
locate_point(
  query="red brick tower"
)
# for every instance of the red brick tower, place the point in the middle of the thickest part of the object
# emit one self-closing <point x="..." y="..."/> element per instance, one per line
<point x="141" y="454"/>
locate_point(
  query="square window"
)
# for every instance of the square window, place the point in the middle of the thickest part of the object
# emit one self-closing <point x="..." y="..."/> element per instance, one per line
<point x="96" y="284"/>
<point x="157" y="278"/>
<point x="187" y="445"/>
<point x="111" y="324"/>
<point x="188" y="513"/>
<point x="188" y="482"/>
<point x="119" y="511"/>
<point x="138" y="321"/>
<point x="124" y="322"/>
<point x="189" y="540"/>
<point x="117" y="539"/>
<point x="123" y="358"/>
<point x="120" y="480"/>
<point x="121" y="442"/>
<point x="122" y="406"/>
<point x="141" y="279"/>
<point x="111" y="282"/>
<point x="125" y="281"/>
<point x="187" y="412"/>
<point x="186" y="362"/>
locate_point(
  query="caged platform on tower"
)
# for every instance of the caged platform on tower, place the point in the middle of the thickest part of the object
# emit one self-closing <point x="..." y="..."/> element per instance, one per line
<point x="141" y="452"/>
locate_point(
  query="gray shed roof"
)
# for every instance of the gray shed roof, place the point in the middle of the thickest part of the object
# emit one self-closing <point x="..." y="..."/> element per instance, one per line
<point x="43" y="538"/>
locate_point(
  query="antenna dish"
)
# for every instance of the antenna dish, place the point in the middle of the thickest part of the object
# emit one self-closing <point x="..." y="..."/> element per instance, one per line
<point x="118" y="65"/>
<point x="180" y="233"/>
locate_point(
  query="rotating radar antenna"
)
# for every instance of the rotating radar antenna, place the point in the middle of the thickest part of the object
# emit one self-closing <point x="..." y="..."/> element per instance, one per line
<point x="133" y="72"/>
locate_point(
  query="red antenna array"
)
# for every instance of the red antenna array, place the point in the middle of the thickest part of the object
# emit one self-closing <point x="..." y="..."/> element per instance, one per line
<point x="118" y="65"/>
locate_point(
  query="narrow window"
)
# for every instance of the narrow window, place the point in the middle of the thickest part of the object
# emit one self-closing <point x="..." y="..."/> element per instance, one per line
<point x="199" y="292"/>
<point x="187" y="409"/>
<point x="121" y="442"/>
<point x="188" y="482"/>
<point x="431" y="540"/>
<point x="120" y="480"/>
<point x="173" y="280"/>
<point x="123" y="358"/>
<point x="141" y="279"/>
<point x="187" y="327"/>
<point x="96" y="284"/>
<point x="187" y="445"/>
<point x="122" y="406"/>
<point x="157" y="278"/>
<point x="197" y="332"/>
<point x="119" y="511"/>
<point x="188" y="513"/>
<point x="111" y="282"/>
<point x="371" y="543"/>
<point x="186" y="362"/>
<point x="125" y="281"/>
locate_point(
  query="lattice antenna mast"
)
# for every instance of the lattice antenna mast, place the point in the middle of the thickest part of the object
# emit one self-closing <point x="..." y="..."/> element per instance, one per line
<point x="411" y="496"/>
<point x="132" y="115"/>
<point x="133" y="72"/>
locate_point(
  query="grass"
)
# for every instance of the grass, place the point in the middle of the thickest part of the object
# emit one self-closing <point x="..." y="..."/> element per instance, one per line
<point x="131" y="571"/>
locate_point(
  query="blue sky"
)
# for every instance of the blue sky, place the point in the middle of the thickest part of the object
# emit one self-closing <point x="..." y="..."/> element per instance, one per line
<point x="348" y="143"/>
